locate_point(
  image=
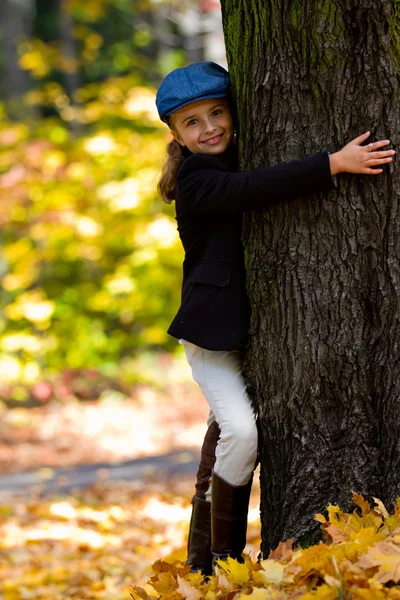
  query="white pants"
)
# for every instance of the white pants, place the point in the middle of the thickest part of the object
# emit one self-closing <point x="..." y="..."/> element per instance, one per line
<point x="219" y="374"/>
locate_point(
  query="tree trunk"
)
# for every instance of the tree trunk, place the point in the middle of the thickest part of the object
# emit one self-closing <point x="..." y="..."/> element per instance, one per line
<point x="16" y="18"/>
<point x="69" y="50"/>
<point x="323" y="358"/>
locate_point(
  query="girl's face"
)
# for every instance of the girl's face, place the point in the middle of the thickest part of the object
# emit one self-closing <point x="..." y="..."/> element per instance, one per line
<point x="204" y="126"/>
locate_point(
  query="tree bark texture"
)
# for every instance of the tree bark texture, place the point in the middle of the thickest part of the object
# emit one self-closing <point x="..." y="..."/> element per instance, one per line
<point x="323" y="272"/>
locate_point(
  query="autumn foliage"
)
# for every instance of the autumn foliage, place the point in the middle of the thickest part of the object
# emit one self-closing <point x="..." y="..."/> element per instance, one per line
<point x="359" y="559"/>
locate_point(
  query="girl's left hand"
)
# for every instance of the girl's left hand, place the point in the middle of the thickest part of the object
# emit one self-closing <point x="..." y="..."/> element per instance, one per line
<point x="354" y="158"/>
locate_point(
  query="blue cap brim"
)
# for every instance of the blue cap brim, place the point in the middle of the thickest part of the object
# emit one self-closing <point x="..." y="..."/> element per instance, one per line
<point x="205" y="97"/>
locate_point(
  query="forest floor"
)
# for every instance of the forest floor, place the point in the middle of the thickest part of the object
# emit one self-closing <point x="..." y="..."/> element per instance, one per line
<point x="97" y="541"/>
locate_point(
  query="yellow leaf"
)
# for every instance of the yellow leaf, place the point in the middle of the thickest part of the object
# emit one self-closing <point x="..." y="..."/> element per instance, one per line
<point x="315" y="558"/>
<point x="325" y="592"/>
<point x="353" y="522"/>
<point x="195" y="579"/>
<point x="373" y="519"/>
<point x="261" y="594"/>
<point x="163" y="583"/>
<point x="272" y="571"/>
<point x="360" y="541"/>
<point x="188" y="591"/>
<point x="369" y="593"/>
<point x="235" y="572"/>
<point x="210" y="594"/>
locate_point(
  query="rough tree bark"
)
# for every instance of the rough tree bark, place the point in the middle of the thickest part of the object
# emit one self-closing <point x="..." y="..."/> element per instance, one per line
<point x="323" y="358"/>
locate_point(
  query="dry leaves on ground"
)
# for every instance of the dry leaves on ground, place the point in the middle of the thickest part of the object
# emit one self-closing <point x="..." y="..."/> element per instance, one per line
<point x="97" y="543"/>
<point x="359" y="560"/>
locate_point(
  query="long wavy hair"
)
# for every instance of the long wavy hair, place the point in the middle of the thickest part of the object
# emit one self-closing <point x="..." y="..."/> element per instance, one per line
<point x="166" y="186"/>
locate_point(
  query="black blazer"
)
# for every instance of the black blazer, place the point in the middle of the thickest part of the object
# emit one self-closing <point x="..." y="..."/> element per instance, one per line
<point x="211" y="197"/>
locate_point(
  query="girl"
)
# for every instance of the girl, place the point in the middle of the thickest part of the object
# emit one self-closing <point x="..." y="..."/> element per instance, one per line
<point x="211" y="323"/>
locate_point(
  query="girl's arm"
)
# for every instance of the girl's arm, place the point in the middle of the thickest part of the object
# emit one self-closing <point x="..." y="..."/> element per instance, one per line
<point x="205" y="184"/>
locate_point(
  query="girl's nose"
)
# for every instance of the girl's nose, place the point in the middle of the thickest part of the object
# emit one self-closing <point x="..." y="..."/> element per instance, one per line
<point x="209" y="126"/>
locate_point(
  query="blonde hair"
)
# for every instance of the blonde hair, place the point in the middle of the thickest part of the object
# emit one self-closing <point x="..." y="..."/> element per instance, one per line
<point x="166" y="186"/>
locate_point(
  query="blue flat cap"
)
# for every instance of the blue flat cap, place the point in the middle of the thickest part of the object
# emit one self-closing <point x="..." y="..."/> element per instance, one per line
<point x="188" y="84"/>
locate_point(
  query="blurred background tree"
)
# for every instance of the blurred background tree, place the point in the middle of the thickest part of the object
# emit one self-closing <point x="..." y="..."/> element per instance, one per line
<point x="90" y="260"/>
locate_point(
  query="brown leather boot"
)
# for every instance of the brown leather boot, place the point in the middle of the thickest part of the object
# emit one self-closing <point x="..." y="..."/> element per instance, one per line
<point x="229" y="508"/>
<point x="199" y="540"/>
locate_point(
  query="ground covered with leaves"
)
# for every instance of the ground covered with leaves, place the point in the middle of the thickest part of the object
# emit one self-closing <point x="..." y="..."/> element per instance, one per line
<point x="96" y="543"/>
<point x="99" y="541"/>
<point x="359" y="559"/>
<point x="118" y="538"/>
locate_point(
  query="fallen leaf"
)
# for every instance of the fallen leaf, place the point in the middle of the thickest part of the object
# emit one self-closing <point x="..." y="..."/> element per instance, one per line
<point x="272" y="571"/>
<point x="324" y="592"/>
<point x="359" y="501"/>
<point x="223" y="581"/>
<point x="188" y="591"/>
<point x="380" y="508"/>
<point x="140" y="594"/>
<point x="385" y="556"/>
<point x="283" y="551"/>
<point x="236" y="572"/>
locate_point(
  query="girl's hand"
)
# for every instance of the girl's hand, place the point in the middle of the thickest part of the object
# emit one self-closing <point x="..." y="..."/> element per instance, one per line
<point x="354" y="158"/>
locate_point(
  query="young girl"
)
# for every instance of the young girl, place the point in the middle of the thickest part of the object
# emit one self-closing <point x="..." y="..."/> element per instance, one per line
<point x="212" y="321"/>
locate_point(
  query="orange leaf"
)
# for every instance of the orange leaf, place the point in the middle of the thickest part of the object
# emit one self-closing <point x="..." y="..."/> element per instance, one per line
<point x="320" y="518"/>
<point x="359" y="501"/>
<point x="283" y="551"/>
<point x="141" y="594"/>
<point x="334" y="534"/>
<point x="386" y="557"/>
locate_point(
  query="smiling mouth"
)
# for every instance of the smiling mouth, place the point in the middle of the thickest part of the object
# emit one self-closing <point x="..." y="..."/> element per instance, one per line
<point x="214" y="140"/>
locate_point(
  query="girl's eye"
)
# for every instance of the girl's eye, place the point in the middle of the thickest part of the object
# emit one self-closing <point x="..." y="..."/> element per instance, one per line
<point x="191" y="122"/>
<point x="217" y="111"/>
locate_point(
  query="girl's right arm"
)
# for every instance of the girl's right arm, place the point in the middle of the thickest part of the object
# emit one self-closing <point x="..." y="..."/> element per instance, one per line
<point x="206" y="185"/>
